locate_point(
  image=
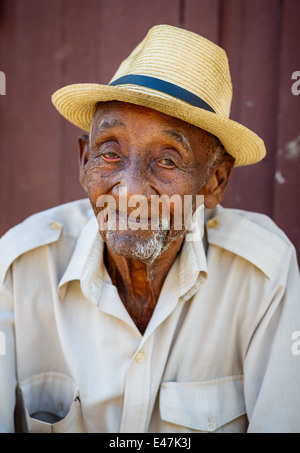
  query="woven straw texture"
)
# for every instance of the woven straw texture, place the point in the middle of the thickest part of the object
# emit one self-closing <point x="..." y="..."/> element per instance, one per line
<point x="182" y="58"/>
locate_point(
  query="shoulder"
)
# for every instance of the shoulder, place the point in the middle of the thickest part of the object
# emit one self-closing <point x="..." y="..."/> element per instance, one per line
<point x="253" y="236"/>
<point x="43" y="228"/>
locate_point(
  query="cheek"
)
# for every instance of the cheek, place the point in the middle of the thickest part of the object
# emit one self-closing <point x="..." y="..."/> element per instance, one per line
<point x="203" y="171"/>
<point x="182" y="198"/>
<point x="96" y="182"/>
<point x="186" y="185"/>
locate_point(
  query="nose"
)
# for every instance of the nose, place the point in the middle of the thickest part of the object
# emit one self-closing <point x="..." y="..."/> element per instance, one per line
<point x="135" y="182"/>
<point x="134" y="189"/>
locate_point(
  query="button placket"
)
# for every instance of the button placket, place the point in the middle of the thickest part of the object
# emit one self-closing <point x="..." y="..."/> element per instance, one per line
<point x="137" y="390"/>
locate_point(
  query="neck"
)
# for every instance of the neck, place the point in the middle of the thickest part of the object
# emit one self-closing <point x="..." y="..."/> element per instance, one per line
<point x="139" y="283"/>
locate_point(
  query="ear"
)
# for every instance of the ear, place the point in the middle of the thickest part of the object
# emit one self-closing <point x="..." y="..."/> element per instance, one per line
<point x="84" y="154"/>
<point x="214" y="189"/>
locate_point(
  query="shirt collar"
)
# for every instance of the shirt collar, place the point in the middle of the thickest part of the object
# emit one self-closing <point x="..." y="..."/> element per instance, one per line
<point x="87" y="266"/>
<point x="192" y="260"/>
<point x="247" y="235"/>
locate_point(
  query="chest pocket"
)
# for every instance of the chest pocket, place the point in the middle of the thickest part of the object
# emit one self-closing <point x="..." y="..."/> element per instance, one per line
<point x="48" y="403"/>
<point x="215" y="405"/>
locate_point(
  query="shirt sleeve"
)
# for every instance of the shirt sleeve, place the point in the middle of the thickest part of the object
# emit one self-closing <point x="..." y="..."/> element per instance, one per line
<point x="8" y="381"/>
<point x="271" y="367"/>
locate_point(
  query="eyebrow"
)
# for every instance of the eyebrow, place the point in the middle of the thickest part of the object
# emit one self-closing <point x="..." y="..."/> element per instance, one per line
<point x="107" y="124"/>
<point x="179" y="138"/>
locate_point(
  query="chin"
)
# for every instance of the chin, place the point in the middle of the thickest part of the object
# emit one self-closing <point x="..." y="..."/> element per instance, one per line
<point x="145" y="246"/>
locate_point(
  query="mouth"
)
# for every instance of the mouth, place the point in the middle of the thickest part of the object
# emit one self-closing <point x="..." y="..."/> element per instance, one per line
<point x="133" y="241"/>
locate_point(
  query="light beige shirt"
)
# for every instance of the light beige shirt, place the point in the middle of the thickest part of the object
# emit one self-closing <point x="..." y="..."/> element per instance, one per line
<point x="220" y="353"/>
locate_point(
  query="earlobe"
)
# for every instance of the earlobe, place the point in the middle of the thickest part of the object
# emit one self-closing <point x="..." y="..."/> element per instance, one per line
<point x="84" y="153"/>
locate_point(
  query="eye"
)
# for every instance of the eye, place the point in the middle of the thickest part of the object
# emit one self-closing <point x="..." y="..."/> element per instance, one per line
<point x="110" y="157"/>
<point x="166" y="162"/>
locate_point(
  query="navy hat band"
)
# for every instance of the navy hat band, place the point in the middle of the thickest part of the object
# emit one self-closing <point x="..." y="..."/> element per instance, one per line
<point x="164" y="87"/>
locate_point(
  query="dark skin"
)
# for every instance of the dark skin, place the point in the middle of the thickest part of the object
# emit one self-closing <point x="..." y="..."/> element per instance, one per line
<point x="149" y="153"/>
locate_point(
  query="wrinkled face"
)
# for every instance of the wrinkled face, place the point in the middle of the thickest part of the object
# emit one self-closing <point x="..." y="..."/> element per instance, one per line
<point x="137" y="155"/>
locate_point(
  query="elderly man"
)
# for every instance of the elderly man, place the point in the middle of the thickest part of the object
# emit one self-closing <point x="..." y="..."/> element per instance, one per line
<point x="116" y="316"/>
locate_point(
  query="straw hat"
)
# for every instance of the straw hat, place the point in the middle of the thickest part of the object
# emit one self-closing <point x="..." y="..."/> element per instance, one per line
<point x="178" y="73"/>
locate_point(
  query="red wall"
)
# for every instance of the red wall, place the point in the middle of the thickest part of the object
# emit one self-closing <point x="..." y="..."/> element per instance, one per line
<point x="50" y="43"/>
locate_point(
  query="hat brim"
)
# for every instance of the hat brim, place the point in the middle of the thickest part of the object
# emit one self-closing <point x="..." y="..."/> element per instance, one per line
<point x="77" y="103"/>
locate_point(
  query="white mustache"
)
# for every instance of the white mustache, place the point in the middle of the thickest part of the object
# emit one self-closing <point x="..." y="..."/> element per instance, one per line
<point x="109" y="219"/>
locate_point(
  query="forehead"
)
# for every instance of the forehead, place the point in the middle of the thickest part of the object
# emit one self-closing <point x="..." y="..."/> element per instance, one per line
<point x="121" y="114"/>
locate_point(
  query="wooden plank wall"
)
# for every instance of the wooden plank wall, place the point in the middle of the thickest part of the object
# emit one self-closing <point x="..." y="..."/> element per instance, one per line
<point x="45" y="44"/>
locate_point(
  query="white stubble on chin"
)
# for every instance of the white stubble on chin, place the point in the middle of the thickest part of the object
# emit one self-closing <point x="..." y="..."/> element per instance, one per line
<point x="137" y="244"/>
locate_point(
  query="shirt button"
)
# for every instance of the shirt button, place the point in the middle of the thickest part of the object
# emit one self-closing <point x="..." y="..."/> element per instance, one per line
<point x="55" y="226"/>
<point x="140" y="357"/>
<point x="213" y="223"/>
<point x="211" y="426"/>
